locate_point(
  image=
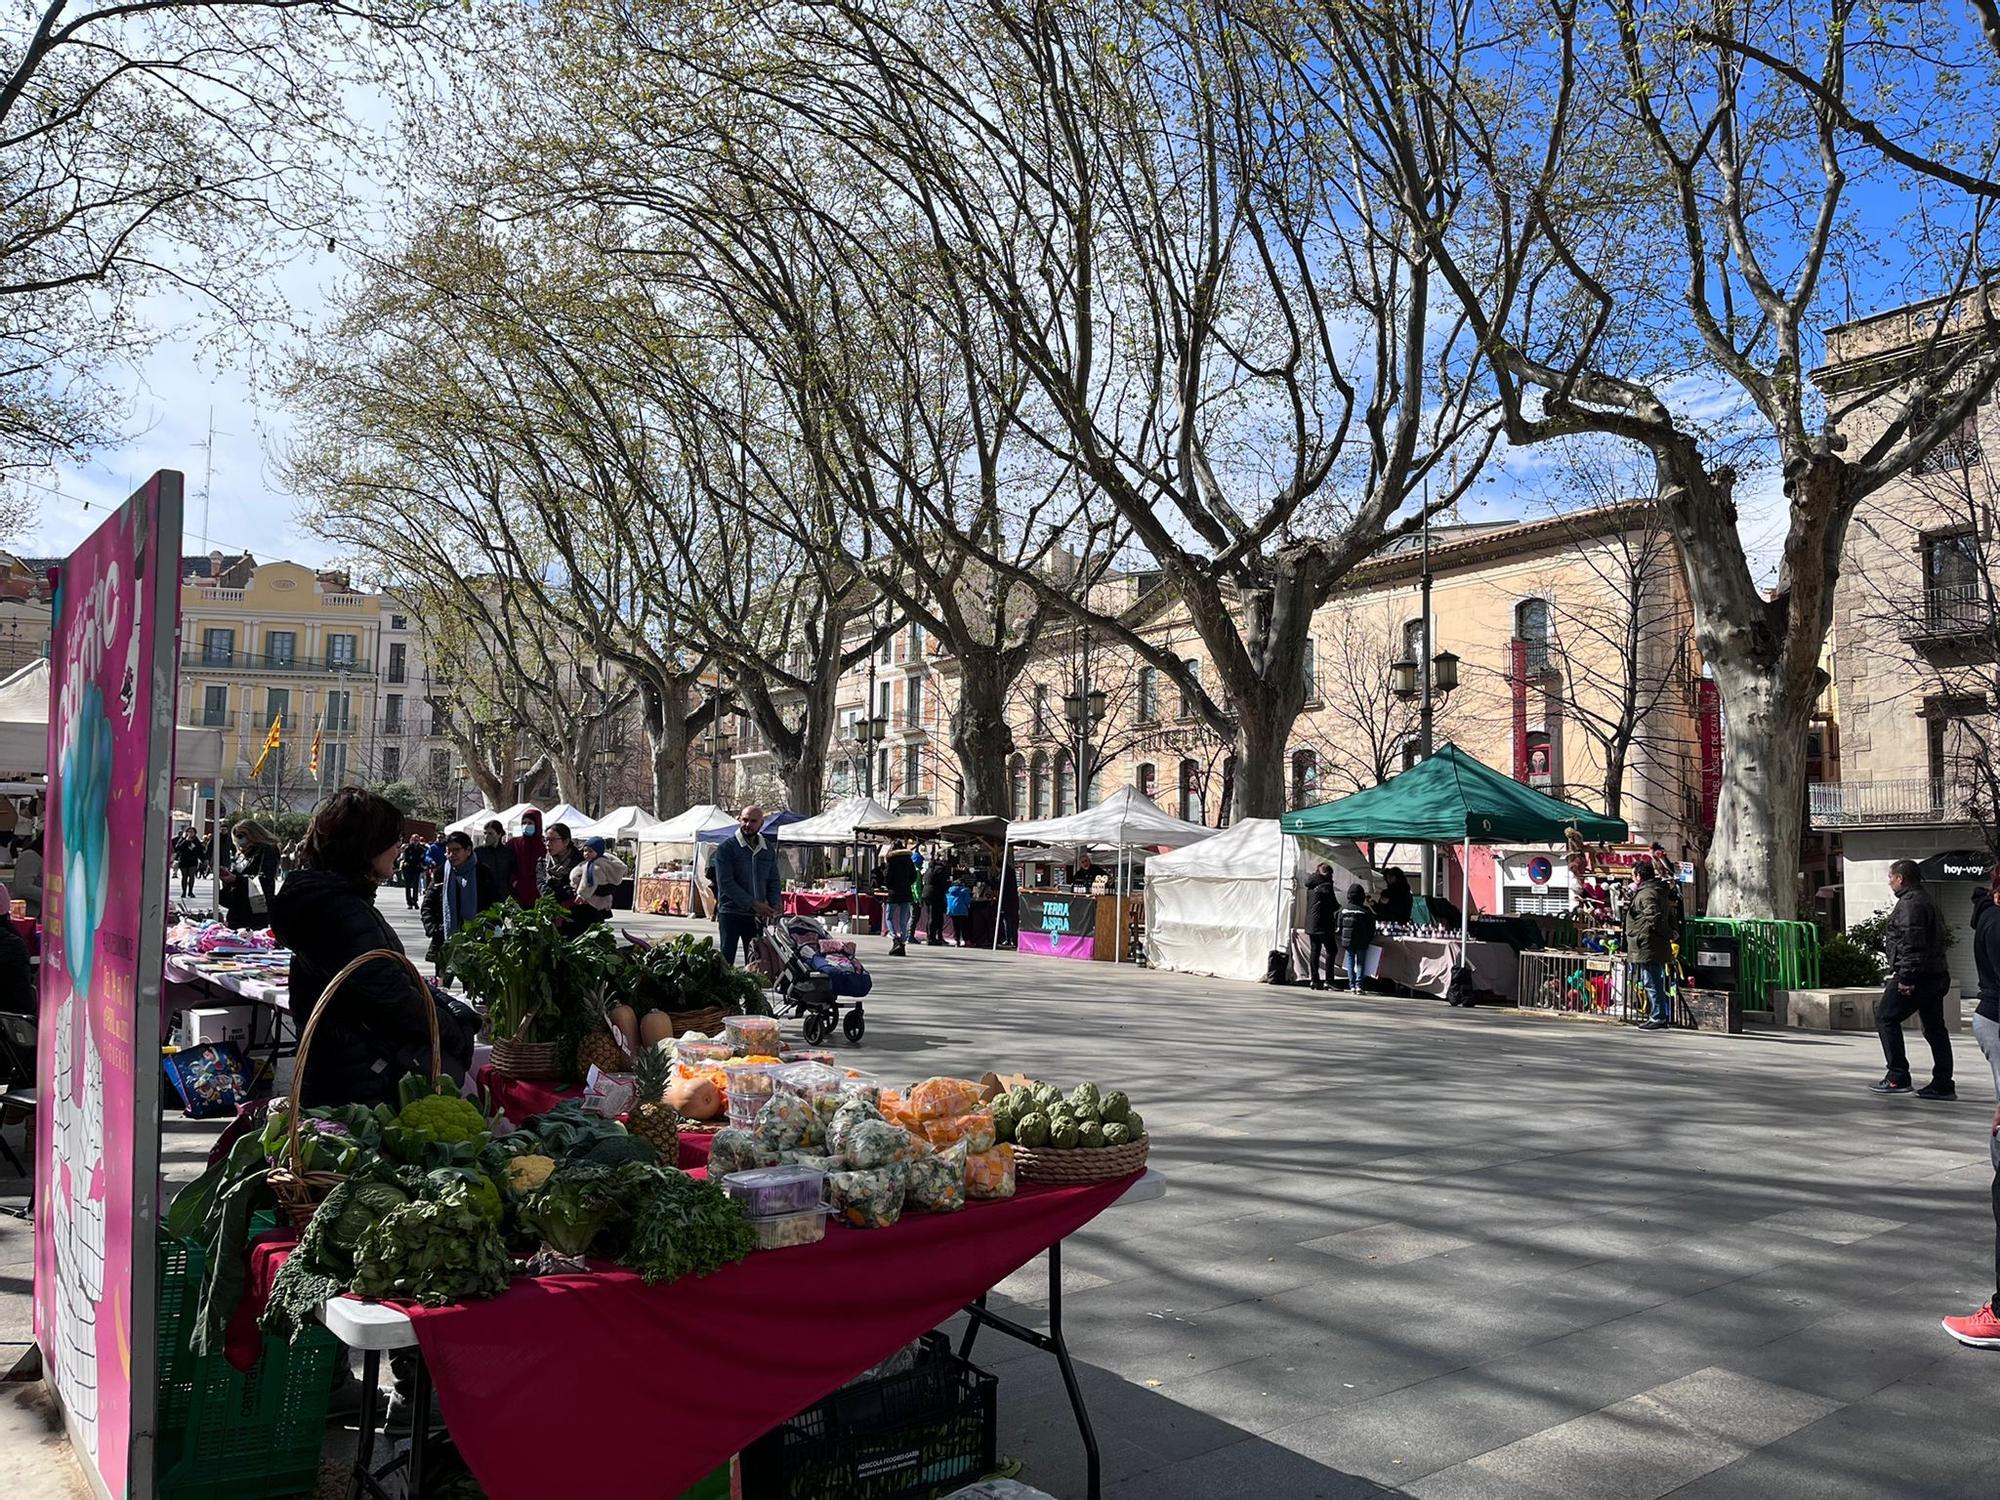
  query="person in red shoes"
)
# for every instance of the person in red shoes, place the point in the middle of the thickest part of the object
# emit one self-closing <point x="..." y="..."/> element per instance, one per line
<point x="1982" y="1329"/>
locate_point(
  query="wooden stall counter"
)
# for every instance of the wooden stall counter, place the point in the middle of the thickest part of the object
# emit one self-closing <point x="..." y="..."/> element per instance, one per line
<point x="1062" y="924"/>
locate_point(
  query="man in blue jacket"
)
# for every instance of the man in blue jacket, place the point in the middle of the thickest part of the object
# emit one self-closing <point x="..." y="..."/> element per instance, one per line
<point x="743" y="872"/>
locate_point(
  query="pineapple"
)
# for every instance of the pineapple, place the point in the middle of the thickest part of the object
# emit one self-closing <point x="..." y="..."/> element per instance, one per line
<point x="601" y="1050"/>
<point x="651" y="1118"/>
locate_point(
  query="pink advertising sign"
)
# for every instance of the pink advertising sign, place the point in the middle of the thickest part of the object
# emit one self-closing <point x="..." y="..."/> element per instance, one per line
<point x="97" y="1139"/>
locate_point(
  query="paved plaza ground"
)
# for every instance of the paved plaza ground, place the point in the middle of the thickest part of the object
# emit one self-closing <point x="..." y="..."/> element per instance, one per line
<point x="1413" y="1251"/>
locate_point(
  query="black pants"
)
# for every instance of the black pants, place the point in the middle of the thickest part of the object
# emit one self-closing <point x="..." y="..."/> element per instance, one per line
<point x="734" y="928"/>
<point x="1925" y="1001"/>
<point x="936" y="927"/>
<point x="1319" y="963"/>
<point x="411" y="885"/>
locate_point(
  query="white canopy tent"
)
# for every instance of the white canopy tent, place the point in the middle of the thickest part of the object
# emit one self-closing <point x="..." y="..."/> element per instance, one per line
<point x="682" y="828"/>
<point x="485" y="815"/>
<point x="565" y="812"/>
<point x="1126" y="820"/>
<point x="628" y="822"/>
<point x="24" y="737"/>
<point x="1220" y="906"/>
<point x="834" y="826"/>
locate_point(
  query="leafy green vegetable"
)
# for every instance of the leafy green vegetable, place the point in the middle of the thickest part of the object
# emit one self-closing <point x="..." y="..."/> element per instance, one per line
<point x="568" y="1130"/>
<point x="433" y="1253"/>
<point x="682" y="1227"/>
<point x="361" y="1207"/>
<point x="468" y="1185"/>
<point x="510" y="956"/>
<point x="567" y="1211"/>
<point x="615" y="1150"/>
<point x="319" y="1266"/>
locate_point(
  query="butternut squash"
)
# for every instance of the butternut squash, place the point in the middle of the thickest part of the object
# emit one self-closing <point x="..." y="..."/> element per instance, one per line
<point x="655" y="1027"/>
<point x="696" y="1098"/>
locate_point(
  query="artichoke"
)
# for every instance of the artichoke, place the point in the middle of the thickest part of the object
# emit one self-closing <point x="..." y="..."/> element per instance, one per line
<point x="1114" y="1108"/>
<point x="1063" y="1135"/>
<point x="1032" y="1129"/>
<point x="1083" y="1099"/>
<point x="1090" y="1135"/>
<point x="1134" y="1124"/>
<point x="1117" y="1135"/>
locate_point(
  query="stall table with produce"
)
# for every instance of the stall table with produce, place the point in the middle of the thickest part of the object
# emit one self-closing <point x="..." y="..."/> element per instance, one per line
<point x="687" y="1281"/>
<point x="811" y="903"/>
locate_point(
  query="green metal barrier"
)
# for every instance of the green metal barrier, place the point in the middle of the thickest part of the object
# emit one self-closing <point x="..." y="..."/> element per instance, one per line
<point x="1769" y="955"/>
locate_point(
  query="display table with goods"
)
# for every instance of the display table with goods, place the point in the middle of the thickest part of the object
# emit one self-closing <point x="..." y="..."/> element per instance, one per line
<point x="819" y="903"/>
<point x="1422" y="960"/>
<point x="564" y="1277"/>
<point x="667" y="895"/>
<point x="229" y="986"/>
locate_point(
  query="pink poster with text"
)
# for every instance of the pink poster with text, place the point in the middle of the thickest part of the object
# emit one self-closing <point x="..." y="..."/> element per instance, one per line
<point x="110" y="774"/>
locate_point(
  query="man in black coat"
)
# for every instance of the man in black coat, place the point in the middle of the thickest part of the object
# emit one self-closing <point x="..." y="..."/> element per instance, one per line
<point x="937" y="887"/>
<point x="1322" y="922"/>
<point x="1913" y="944"/>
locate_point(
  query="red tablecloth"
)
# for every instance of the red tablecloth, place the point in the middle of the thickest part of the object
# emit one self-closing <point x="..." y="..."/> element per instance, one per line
<point x="518" y="1098"/>
<point x="28" y="930"/>
<point x="813" y="903"/>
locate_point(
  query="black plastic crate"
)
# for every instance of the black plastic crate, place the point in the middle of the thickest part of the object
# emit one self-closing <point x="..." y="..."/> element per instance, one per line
<point x="930" y="1429"/>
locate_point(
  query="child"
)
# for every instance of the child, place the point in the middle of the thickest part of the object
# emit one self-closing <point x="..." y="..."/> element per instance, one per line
<point x="1357" y="931"/>
<point x="958" y="907"/>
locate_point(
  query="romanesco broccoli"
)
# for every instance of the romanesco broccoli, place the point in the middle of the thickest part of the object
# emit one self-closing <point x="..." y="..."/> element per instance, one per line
<point x="443" y="1117"/>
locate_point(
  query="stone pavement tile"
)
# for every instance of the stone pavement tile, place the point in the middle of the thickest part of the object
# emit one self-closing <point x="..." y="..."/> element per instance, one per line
<point x="1041" y="1425"/>
<point x="1736" y="1407"/>
<point x="1830" y="1224"/>
<point x="1404" y="1434"/>
<point x="1386" y="1244"/>
<point x="1849" y="1356"/>
<point x="1272" y="1391"/>
<point x="1249" y="1470"/>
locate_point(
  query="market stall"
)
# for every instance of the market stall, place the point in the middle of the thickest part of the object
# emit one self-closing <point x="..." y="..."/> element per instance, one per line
<point x="1214" y="907"/>
<point x="674" y="888"/>
<point x="507" y="819"/>
<point x="566" y="813"/>
<point x="1094" y="924"/>
<point x="1454" y="800"/>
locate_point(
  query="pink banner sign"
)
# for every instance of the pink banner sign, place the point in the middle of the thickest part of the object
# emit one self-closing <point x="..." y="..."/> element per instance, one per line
<point x="97" y="1142"/>
<point x="1063" y="945"/>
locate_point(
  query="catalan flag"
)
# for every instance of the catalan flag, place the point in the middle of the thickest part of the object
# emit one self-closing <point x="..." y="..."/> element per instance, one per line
<point x="271" y="742"/>
<point x="312" y="761"/>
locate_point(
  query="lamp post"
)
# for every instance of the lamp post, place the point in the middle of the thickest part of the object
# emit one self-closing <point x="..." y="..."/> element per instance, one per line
<point x="869" y="732"/>
<point x="1084" y="709"/>
<point x="1439" y="675"/>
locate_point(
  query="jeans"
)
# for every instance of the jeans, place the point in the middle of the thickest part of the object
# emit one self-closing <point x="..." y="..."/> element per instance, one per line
<point x="897" y="915"/>
<point x="1987" y="1034"/>
<point x="1926" y="1002"/>
<point x="1352" y="962"/>
<point x="1653" y="979"/>
<point x="1319" y="958"/>
<point x="736" y="927"/>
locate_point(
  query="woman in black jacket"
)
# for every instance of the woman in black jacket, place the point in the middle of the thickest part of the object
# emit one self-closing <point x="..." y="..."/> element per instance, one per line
<point x="250" y="883"/>
<point x="1982" y="1329"/>
<point x="326" y="914"/>
<point x="1322" y="918"/>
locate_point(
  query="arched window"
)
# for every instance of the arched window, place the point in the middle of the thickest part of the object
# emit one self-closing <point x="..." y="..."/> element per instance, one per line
<point x="1190" y="792"/>
<point x="1065" y="772"/>
<point x="1541" y="759"/>
<point x="1149" y="695"/>
<point x="1017" y="788"/>
<point x="1305" y="778"/>
<point x="1413" y="639"/>
<point x="1147" y="779"/>
<point x="1531" y="629"/>
<point x="1038" y="785"/>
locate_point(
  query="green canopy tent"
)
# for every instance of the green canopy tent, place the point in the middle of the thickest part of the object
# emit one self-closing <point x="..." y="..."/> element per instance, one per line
<point x="1451" y="798"/>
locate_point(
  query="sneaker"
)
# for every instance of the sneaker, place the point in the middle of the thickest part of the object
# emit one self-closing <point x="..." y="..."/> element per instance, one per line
<point x="1938" y="1091"/>
<point x="1981" y="1330"/>
<point x="1890" y="1086"/>
<point x="1652" y="1025"/>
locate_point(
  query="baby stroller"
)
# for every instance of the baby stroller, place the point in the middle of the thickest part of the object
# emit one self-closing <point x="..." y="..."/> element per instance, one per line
<point x="813" y="973"/>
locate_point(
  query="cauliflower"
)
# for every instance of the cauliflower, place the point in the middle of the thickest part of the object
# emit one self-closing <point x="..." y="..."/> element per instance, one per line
<point x="526" y="1173"/>
<point x="443" y="1117"/>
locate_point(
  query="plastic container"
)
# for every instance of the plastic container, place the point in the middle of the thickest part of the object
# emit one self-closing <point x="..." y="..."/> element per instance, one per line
<point x="808" y="1055"/>
<point x="702" y="1049"/>
<point x="777" y="1190"/>
<point x="782" y="1231"/>
<point x="750" y="1086"/>
<point x="753" y="1036"/>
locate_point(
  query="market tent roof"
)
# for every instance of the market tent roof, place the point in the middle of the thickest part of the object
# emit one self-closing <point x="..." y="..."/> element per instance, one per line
<point x="685" y="827"/>
<point x="565" y="812"/>
<point x="837" y="824"/>
<point x="913" y="826"/>
<point x="484" y="816"/>
<point x="1127" y="819"/>
<point x="1448" y="799"/>
<point x="771" y="824"/>
<point x="24" y="730"/>
<point x="628" y="822"/>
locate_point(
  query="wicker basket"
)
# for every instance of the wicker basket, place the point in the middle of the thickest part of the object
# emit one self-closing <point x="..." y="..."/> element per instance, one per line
<point x="1095" y="1164"/>
<point x="298" y="1191"/>
<point x="532" y="1062"/>
<point x="707" y="1022"/>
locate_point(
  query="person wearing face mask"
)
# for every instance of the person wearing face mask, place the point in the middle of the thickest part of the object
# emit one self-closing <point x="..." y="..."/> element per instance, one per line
<point x="528" y="849"/>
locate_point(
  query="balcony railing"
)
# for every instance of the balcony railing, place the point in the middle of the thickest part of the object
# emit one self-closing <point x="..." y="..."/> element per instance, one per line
<point x="1893" y="801"/>
<point x="1949" y="612"/>
<point x="261" y="722"/>
<point x="340" y="724"/>
<point x="212" y="659"/>
<point x="215" y="718"/>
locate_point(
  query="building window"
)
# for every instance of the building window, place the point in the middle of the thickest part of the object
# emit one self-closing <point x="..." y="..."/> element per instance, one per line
<point x="1309" y="667"/>
<point x="913" y="769"/>
<point x="885" y="693"/>
<point x="1305" y="778"/>
<point x="1149" y="695"/>
<point x="392" y="762"/>
<point x="882" y="770"/>
<point x="1960" y="449"/>
<point x="1190" y="809"/>
<point x="398" y="661"/>
<point x="440" y="717"/>
<point x="1531" y="629"/>
<point x="1228" y="798"/>
<point x="1042" y="726"/>
<point x="888" y="652"/>
<point x="1541" y="759"/>
<point x="1190" y="690"/>
<point x="440" y="766"/>
<point x="913" y="702"/>
<point x="1065" y="774"/>
<point x="340" y="650"/>
<point x="218" y="647"/>
<point x="281" y="647"/>
<point x="339" y="717"/>
<point x="215" y="705"/>
<point x="1147" y="779"/>
<point x="1409" y="752"/>
<point x="1413" y="639"/>
<point x="399" y="622"/>
<point x="1017" y="788"/>
<point x="1038" y="785"/>
<point x="333" y="763"/>
<point x="916" y="642"/>
<point x="278" y="705"/>
<point x="392" y="714"/>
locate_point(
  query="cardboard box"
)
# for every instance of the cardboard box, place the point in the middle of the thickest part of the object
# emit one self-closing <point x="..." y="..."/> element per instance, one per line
<point x="861" y="926"/>
<point x="223" y="1023"/>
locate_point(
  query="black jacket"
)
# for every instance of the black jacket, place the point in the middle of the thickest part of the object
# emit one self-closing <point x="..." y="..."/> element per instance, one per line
<point x="1652" y="921"/>
<point x="261" y="865"/>
<point x="1322" y="904"/>
<point x="497" y="860"/>
<point x="377" y="1030"/>
<point x="17" y="978"/>
<point x="1986" y="950"/>
<point x="937" y="882"/>
<point x="898" y="876"/>
<point x="1913" y="940"/>
<point x="1357" y="929"/>
<point x="1397" y="902"/>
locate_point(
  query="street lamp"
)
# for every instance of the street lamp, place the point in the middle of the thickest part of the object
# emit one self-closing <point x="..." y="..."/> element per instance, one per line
<point x="868" y="733"/>
<point x="1084" y="708"/>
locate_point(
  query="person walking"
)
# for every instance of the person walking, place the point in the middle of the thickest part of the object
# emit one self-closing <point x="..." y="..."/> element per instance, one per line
<point x="743" y="873"/>
<point x="1322" y="927"/>
<point x="1357" y="935"/>
<point x="1913" y="944"/>
<point x="495" y="857"/>
<point x="899" y="879"/>
<point x="958" y="906"/>
<point x="1982" y="1329"/>
<point x="1007" y="918"/>
<point x="937" y="892"/>
<point x="1651" y="922"/>
<point x="410" y="870"/>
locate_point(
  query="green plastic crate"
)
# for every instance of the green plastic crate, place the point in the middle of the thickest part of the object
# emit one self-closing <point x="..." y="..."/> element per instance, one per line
<point x="235" y="1435"/>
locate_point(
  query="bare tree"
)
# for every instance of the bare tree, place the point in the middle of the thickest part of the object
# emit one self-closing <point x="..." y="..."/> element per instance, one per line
<point x="1363" y="733"/>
